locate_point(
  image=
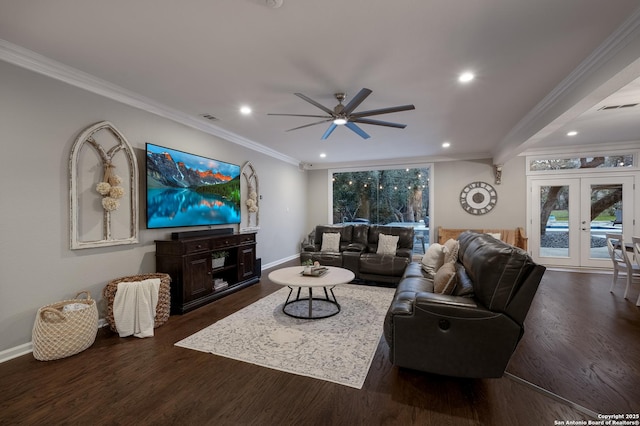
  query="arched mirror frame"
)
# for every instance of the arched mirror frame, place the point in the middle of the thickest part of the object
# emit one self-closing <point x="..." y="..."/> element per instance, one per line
<point x="251" y="219"/>
<point x="130" y="183"/>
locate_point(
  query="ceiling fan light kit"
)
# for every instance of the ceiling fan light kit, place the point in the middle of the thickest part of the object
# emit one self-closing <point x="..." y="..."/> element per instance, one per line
<point x="344" y="115"/>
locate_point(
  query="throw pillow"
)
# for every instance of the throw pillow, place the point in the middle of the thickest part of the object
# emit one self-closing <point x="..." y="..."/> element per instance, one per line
<point x="496" y="235"/>
<point x="432" y="259"/>
<point x="446" y="279"/>
<point x="387" y="244"/>
<point x="451" y="253"/>
<point x="330" y="242"/>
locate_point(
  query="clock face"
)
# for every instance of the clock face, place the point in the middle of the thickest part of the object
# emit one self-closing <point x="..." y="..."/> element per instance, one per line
<point x="478" y="198"/>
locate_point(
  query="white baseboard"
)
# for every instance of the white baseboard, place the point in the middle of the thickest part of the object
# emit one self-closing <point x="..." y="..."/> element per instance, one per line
<point x="15" y="352"/>
<point x="281" y="261"/>
<point x="26" y="348"/>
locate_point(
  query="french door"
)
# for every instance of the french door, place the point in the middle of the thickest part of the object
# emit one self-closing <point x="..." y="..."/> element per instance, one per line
<point x="570" y="217"/>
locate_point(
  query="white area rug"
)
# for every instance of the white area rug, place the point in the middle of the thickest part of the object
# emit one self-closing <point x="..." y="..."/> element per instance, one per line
<point x="338" y="349"/>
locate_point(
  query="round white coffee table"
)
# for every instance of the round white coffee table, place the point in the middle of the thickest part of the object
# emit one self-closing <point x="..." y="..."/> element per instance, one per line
<point x="293" y="278"/>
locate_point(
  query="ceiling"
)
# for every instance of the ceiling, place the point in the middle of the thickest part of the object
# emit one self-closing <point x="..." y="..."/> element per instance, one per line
<point x="541" y="68"/>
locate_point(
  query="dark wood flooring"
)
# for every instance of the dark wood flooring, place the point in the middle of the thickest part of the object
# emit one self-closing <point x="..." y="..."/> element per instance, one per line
<point x="581" y="343"/>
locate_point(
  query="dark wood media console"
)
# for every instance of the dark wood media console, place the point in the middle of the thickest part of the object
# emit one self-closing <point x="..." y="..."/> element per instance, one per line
<point x="189" y="262"/>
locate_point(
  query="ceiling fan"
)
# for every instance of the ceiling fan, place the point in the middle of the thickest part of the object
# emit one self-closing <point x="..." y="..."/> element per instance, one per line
<point x="345" y="115"/>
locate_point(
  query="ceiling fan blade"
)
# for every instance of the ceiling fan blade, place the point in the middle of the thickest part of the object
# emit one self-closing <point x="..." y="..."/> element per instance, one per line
<point x="329" y="131"/>
<point x="378" y="122"/>
<point x="357" y="129"/>
<point x="356" y="101"/>
<point x="312" y="102"/>
<point x="311" y="124"/>
<point x="301" y="115"/>
<point x="383" y="111"/>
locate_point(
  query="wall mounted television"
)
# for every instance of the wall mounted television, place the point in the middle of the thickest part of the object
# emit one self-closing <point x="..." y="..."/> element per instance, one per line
<point x="189" y="190"/>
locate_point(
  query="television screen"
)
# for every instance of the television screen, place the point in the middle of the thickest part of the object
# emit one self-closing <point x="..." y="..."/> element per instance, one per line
<point x="189" y="190"/>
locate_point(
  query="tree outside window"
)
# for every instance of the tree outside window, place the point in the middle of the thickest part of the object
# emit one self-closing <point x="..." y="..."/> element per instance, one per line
<point x="381" y="196"/>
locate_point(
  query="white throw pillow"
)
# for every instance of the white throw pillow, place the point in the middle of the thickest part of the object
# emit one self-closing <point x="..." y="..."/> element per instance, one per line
<point x="433" y="259"/>
<point x="387" y="244"/>
<point x="330" y="242"/>
<point x="446" y="279"/>
<point x="451" y="250"/>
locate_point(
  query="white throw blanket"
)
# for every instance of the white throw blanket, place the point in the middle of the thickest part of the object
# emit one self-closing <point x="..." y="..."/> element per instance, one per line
<point x="134" y="307"/>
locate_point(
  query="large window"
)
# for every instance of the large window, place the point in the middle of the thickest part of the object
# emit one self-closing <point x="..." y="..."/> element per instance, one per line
<point x="382" y="196"/>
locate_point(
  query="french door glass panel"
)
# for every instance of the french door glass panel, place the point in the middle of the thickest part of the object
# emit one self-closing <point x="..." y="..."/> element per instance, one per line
<point x="571" y="216"/>
<point x="607" y="206"/>
<point x="555" y="214"/>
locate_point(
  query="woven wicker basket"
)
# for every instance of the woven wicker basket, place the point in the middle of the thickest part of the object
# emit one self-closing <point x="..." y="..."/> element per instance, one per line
<point x="58" y="334"/>
<point x="164" y="297"/>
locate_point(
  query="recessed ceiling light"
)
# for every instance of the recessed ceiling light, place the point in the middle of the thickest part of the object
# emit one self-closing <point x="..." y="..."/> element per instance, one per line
<point x="245" y="110"/>
<point x="466" y="77"/>
<point x="323" y="155"/>
<point x="572" y="133"/>
<point x="446" y="144"/>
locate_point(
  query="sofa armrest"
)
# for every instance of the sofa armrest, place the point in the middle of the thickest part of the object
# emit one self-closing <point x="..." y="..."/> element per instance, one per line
<point x="451" y="335"/>
<point x="310" y="247"/>
<point x="444" y="304"/>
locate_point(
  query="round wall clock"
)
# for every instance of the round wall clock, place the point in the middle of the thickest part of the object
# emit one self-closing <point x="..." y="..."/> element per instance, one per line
<point x="478" y="198"/>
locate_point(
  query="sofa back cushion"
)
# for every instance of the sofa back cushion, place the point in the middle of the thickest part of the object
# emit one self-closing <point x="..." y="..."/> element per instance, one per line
<point x="496" y="269"/>
<point x="405" y="234"/>
<point x="345" y="232"/>
<point x="360" y="234"/>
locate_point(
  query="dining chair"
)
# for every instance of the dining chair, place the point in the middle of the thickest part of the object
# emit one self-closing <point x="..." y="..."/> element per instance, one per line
<point x="621" y="262"/>
<point x="636" y="257"/>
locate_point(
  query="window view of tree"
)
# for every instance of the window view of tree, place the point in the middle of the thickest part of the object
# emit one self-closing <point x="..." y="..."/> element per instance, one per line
<point x="605" y="199"/>
<point x="582" y="163"/>
<point x="381" y="196"/>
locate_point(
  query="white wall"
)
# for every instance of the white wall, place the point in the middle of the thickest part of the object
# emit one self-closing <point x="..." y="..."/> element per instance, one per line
<point x="40" y="119"/>
<point x="319" y="191"/>
<point x="449" y="179"/>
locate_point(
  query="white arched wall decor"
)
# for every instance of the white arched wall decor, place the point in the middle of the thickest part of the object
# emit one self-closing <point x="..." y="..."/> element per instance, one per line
<point x="103" y="194"/>
<point x="250" y="208"/>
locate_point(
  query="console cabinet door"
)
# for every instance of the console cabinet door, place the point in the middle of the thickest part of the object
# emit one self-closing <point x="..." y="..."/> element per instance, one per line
<point x="247" y="262"/>
<point x="197" y="276"/>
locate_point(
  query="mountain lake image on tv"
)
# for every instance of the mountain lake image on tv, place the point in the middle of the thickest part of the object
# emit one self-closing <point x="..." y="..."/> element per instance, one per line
<point x="189" y="190"/>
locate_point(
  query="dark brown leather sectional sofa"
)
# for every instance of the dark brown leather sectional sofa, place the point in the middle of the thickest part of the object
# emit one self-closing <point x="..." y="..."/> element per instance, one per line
<point x="473" y="331"/>
<point x="358" y="251"/>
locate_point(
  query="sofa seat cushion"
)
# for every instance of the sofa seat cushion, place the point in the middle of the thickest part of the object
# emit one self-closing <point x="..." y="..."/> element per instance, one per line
<point x="383" y="264"/>
<point x="414" y="269"/>
<point x="415" y="285"/>
<point x="324" y="258"/>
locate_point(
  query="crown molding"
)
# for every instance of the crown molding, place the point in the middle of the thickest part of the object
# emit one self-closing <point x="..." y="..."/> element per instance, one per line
<point x="587" y="72"/>
<point x="35" y="62"/>
<point x="614" y="148"/>
<point x="400" y="162"/>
